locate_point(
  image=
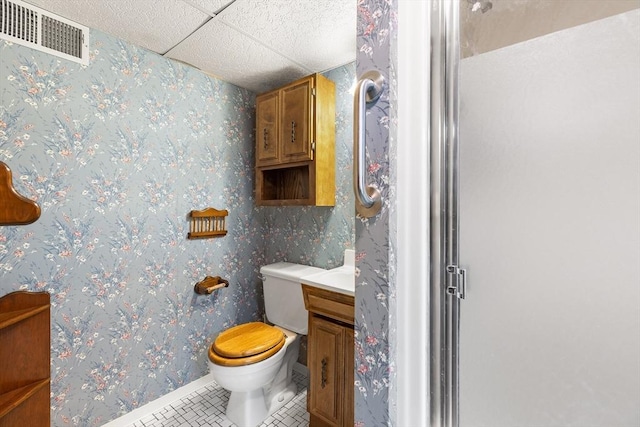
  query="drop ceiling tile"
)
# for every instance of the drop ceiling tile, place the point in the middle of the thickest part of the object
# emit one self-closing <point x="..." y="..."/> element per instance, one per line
<point x="212" y="7"/>
<point x="155" y="25"/>
<point x="318" y="35"/>
<point x="224" y="52"/>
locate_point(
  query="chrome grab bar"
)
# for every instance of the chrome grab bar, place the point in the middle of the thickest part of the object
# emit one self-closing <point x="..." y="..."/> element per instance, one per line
<point x="368" y="90"/>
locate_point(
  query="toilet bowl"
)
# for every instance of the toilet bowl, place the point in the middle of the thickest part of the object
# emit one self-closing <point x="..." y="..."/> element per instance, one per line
<point x="254" y="361"/>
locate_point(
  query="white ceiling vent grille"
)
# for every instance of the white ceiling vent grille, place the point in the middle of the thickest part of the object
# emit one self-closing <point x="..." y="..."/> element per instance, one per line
<point x="31" y="26"/>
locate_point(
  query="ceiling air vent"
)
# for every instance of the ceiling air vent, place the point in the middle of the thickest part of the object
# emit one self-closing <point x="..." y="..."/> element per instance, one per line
<point x="31" y="26"/>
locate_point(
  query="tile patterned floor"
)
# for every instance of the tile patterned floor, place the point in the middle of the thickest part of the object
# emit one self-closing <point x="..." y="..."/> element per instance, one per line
<point x="205" y="407"/>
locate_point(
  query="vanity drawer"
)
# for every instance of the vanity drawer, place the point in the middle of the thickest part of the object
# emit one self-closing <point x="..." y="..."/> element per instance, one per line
<point x="329" y="304"/>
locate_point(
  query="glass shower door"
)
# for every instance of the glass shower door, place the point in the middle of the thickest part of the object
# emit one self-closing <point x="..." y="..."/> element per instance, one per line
<point x="549" y="219"/>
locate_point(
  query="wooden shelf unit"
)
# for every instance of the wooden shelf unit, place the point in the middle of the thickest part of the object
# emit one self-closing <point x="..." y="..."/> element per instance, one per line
<point x="25" y="342"/>
<point x="295" y="144"/>
<point x="15" y="209"/>
<point x="207" y="223"/>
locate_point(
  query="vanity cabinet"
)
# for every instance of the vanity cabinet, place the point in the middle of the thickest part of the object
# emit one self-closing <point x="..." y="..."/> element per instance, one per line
<point x="295" y="144"/>
<point x="330" y="357"/>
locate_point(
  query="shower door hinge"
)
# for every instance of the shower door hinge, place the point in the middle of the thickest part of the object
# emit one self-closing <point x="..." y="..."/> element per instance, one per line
<point x="458" y="281"/>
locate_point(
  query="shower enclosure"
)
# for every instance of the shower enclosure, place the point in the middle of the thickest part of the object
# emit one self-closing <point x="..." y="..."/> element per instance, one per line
<point x="549" y="215"/>
<point x="508" y="245"/>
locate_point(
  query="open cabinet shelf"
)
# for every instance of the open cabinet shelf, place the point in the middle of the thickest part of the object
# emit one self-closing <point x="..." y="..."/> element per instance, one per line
<point x="14" y="398"/>
<point x="24" y="359"/>
<point x="8" y="319"/>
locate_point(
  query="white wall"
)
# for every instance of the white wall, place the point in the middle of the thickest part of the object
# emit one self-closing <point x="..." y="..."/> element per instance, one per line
<point x="550" y="230"/>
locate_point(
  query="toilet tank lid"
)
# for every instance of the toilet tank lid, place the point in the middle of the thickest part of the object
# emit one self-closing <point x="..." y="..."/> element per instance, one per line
<point x="288" y="270"/>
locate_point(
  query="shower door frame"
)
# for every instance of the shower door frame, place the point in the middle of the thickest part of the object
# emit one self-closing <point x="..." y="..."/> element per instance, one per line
<point x="428" y="316"/>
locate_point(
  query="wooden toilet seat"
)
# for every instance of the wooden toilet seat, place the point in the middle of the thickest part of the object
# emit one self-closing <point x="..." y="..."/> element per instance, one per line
<point x="246" y="344"/>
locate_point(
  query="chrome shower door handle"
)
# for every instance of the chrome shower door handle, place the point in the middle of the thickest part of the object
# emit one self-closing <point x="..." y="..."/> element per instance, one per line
<point x="368" y="90"/>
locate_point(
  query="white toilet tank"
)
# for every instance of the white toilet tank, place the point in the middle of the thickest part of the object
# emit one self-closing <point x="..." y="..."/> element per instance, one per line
<point x="283" y="300"/>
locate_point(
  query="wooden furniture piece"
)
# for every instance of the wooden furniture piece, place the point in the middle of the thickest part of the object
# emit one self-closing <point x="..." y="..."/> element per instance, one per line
<point x="15" y="209"/>
<point x="295" y="144"/>
<point x="24" y="359"/>
<point x="330" y="357"/>
<point x="207" y="223"/>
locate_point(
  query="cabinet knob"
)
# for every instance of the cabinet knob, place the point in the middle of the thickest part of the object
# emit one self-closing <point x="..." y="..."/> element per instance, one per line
<point x="264" y="137"/>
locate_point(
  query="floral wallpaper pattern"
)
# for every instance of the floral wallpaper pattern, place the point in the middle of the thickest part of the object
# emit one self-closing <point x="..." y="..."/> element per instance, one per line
<point x="117" y="153"/>
<point x="374" y="321"/>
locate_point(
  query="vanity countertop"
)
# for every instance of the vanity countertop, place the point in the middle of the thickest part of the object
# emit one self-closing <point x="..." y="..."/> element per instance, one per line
<point x="341" y="279"/>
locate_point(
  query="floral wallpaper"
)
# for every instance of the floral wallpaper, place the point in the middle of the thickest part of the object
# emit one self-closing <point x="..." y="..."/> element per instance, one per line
<point x="117" y="153"/>
<point x="375" y="237"/>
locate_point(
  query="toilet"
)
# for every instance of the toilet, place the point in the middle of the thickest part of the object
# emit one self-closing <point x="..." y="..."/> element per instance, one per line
<point x="254" y="360"/>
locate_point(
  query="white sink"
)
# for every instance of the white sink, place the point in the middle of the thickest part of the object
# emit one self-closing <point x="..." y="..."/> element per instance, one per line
<point x="341" y="279"/>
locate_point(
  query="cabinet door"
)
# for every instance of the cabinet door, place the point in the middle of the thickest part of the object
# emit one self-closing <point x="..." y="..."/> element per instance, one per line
<point x="267" y="129"/>
<point x="326" y="365"/>
<point x="295" y="123"/>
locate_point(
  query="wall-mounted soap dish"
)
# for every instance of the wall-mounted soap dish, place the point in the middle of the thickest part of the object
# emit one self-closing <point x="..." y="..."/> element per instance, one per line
<point x="207" y="223"/>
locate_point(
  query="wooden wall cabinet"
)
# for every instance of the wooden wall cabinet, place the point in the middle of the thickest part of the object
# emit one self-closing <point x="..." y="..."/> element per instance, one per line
<point x="25" y="339"/>
<point x="295" y="144"/>
<point x="330" y="357"/>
